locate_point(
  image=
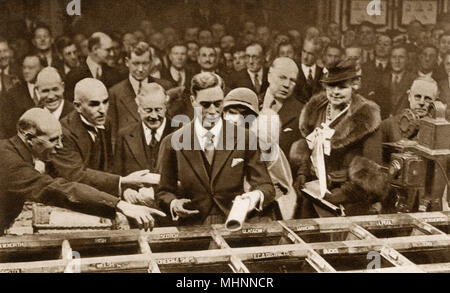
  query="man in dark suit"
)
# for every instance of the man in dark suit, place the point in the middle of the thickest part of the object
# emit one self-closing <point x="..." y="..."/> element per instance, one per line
<point x="87" y="152"/>
<point x="427" y="65"/>
<point x="180" y="76"/>
<point x="138" y="144"/>
<point x="21" y="97"/>
<point x="27" y="174"/>
<point x="210" y="176"/>
<point x="43" y="44"/>
<point x="280" y="98"/>
<point x="50" y="88"/>
<point x="100" y="48"/>
<point x="8" y="72"/>
<point x="68" y="54"/>
<point x="308" y="82"/>
<point x="367" y="40"/>
<point x="391" y="93"/>
<point x="255" y="77"/>
<point x="444" y="83"/>
<point x="123" y="109"/>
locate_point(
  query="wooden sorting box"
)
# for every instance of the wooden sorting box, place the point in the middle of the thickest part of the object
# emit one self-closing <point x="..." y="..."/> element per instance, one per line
<point x="404" y="242"/>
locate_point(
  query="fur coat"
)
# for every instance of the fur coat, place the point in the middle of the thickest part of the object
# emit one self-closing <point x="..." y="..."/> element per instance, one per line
<point x="354" y="176"/>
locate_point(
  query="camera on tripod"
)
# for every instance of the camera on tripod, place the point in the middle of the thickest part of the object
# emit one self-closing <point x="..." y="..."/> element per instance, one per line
<point x="418" y="168"/>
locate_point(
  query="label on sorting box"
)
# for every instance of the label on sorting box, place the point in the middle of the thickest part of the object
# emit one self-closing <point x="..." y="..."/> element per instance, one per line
<point x="252" y="231"/>
<point x="264" y="255"/>
<point x="12" y="245"/>
<point x="11" y="271"/>
<point x="385" y="222"/>
<point x="171" y="233"/>
<point x="422" y="244"/>
<point x="101" y="240"/>
<point x="435" y="220"/>
<point x="305" y="228"/>
<point x="106" y="265"/>
<point x="331" y="251"/>
<point x="175" y="260"/>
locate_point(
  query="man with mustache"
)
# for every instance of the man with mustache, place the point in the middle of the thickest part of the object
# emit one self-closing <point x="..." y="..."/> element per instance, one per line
<point x="50" y="88"/>
<point x="87" y="153"/>
<point x="205" y="158"/>
<point x="138" y="144"/>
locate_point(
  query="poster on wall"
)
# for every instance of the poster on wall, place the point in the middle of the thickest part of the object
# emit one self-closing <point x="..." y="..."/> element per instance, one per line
<point x="358" y="13"/>
<point x="424" y="11"/>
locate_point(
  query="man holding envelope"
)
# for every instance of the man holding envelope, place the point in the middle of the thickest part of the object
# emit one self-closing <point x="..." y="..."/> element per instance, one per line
<point x="210" y="157"/>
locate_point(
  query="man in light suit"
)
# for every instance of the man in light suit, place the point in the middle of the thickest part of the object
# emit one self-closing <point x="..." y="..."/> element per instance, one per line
<point x="123" y="108"/>
<point x="138" y="144"/>
<point x="205" y="158"/>
<point x="280" y="98"/>
<point x="27" y="174"/>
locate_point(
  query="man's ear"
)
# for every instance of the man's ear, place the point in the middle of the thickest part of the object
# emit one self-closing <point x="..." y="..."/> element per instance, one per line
<point x="193" y="101"/>
<point x="127" y="62"/>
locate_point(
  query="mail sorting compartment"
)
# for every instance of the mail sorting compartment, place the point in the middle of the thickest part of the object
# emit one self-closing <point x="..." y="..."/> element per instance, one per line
<point x="428" y="256"/>
<point x="280" y="265"/>
<point x="396" y="231"/>
<point x="30" y="254"/>
<point x="359" y="261"/>
<point x="256" y="239"/>
<point x="321" y="235"/>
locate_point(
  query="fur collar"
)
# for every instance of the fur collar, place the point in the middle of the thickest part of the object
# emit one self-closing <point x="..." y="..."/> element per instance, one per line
<point x="361" y="119"/>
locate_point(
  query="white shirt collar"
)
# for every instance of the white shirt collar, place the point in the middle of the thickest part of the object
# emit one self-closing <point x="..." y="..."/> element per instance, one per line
<point x="32" y="90"/>
<point x="91" y="134"/>
<point x="174" y="72"/>
<point x="421" y="74"/>
<point x="5" y="70"/>
<point x="201" y="132"/>
<point x="67" y="69"/>
<point x="156" y="74"/>
<point x="305" y="70"/>
<point x="158" y="135"/>
<point x="57" y="113"/>
<point x="135" y="83"/>
<point x="93" y="66"/>
<point x="384" y="63"/>
<point x="252" y="75"/>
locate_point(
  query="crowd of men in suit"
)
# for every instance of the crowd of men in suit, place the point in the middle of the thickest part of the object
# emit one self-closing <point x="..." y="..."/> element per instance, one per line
<point x="86" y="120"/>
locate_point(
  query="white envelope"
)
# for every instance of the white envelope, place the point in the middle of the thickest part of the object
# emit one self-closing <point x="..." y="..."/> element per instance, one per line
<point x="236" y="162"/>
<point x="288" y="129"/>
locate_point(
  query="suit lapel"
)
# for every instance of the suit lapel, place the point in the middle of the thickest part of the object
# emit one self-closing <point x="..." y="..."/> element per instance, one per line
<point x="287" y="113"/>
<point x="221" y="156"/>
<point x="194" y="158"/>
<point x="136" y="143"/>
<point x="79" y="131"/>
<point x="127" y="99"/>
<point x="21" y="148"/>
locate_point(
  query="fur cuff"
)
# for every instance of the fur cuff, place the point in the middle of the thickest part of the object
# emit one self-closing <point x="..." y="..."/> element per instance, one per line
<point x="369" y="176"/>
<point x="299" y="153"/>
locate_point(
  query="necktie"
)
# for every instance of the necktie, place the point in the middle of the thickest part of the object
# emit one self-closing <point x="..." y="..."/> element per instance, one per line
<point x="257" y="84"/>
<point x="140" y="87"/>
<point x="310" y="76"/>
<point x="179" y="79"/>
<point x="380" y="66"/>
<point x="274" y="106"/>
<point x="98" y="74"/>
<point x="209" y="147"/>
<point x="153" y="141"/>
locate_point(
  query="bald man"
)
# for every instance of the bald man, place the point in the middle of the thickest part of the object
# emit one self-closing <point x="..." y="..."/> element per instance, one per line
<point x="138" y="144"/>
<point x="280" y="98"/>
<point x="50" y="88"/>
<point x="308" y="83"/>
<point x="100" y="50"/>
<point x="87" y="152"/>
<point x="27" y="174"/>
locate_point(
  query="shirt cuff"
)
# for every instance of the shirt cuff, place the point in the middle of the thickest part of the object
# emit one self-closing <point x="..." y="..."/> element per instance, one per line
<point x="120" y="187"/>
<point x="259" y="207"/>
<point x="174" y="215"/>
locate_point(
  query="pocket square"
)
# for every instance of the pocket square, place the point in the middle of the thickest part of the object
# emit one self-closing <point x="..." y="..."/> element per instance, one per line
<point x="236" y="162"/>
<point x="288" y="129"/>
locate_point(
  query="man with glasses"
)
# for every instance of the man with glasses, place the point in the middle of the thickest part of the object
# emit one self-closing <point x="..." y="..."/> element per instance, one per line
<point x="95" y="66"/>
<point x="255" y="77"/>
<point x="27" y="174"/>
<point x="209" y="163"/>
